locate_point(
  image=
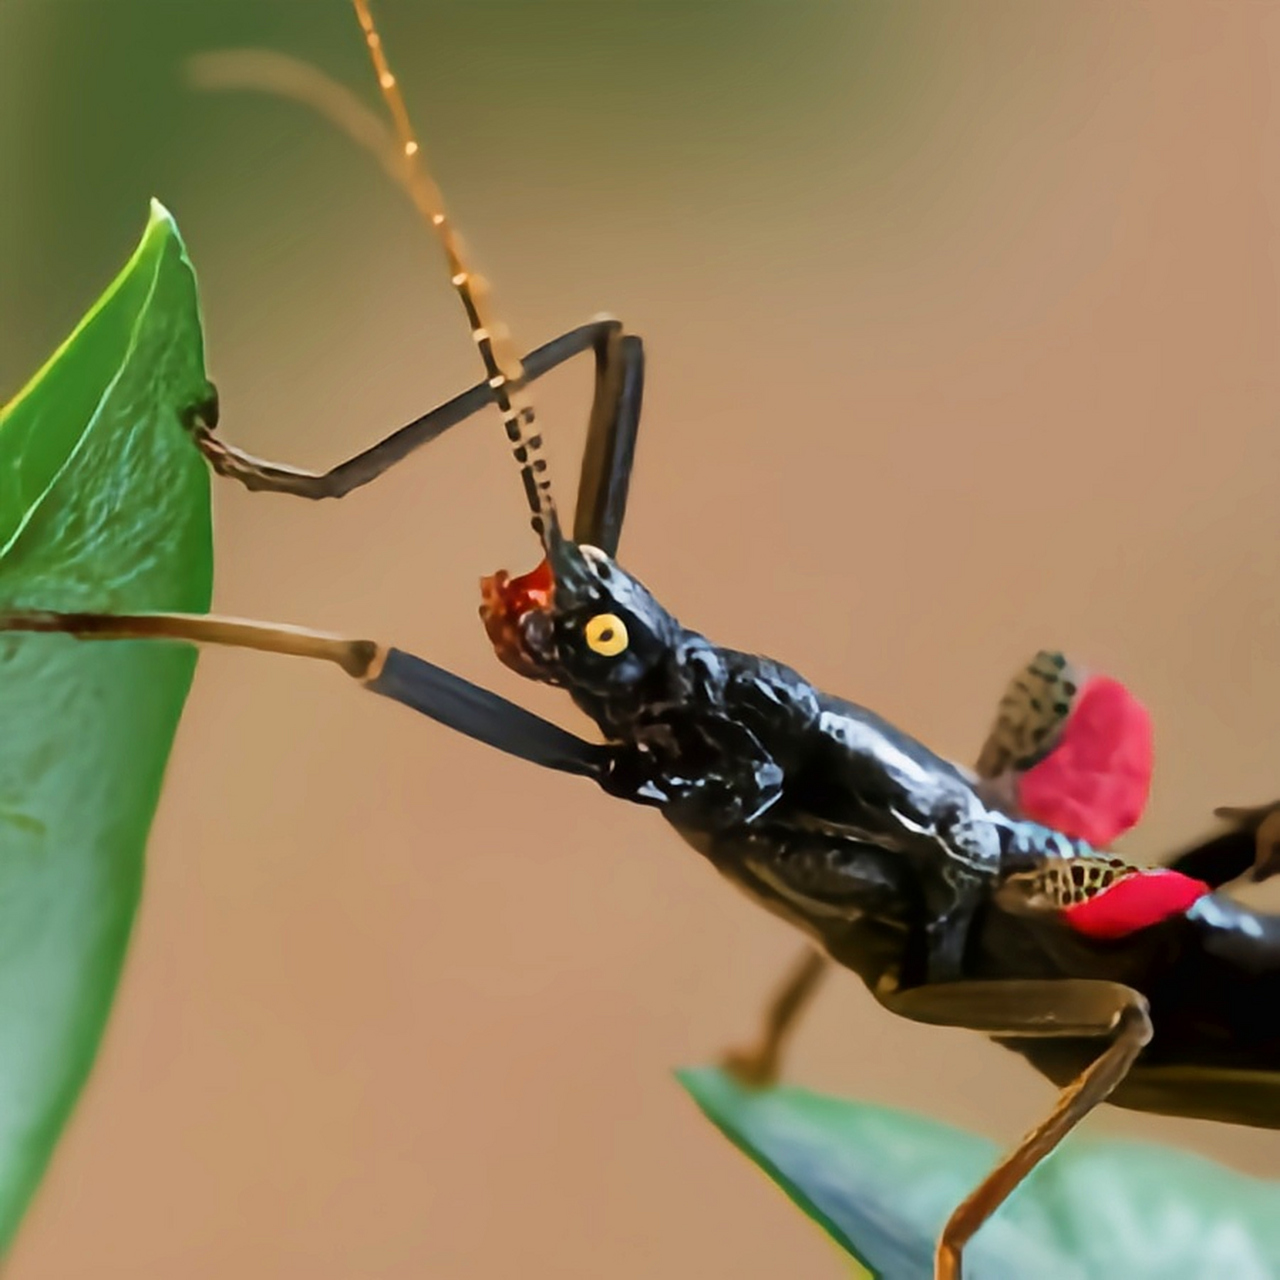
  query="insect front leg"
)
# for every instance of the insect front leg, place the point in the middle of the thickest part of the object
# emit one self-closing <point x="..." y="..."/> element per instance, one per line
<point x="602" y="336"/>
<point x="412" y="681"/>
<point x="1018" y="1009"/>
<point x="607" y="459"/>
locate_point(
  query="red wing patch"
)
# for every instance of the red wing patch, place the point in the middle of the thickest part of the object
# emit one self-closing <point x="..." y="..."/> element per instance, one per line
<point x="1094" y="784"/>
<point x="1134" y="902"/>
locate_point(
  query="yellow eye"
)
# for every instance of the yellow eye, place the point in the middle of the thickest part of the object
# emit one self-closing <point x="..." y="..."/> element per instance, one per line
<point x="606" y="634"/>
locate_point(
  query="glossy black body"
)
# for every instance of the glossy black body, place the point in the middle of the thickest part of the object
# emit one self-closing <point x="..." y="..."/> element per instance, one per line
<point x="890" y="857"/>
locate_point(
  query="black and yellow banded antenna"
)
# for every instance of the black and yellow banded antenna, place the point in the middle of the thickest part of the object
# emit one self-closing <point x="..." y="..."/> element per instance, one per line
<point x="501" y="363"/>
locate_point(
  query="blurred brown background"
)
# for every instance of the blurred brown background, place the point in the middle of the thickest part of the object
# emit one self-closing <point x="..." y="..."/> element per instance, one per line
<point x="962" y="324"/>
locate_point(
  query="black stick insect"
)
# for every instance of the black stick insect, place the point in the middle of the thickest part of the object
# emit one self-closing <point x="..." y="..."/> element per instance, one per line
<point x="1143" y="987"/>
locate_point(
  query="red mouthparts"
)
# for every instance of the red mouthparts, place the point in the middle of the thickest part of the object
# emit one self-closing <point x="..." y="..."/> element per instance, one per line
<point x="505" y="603"/>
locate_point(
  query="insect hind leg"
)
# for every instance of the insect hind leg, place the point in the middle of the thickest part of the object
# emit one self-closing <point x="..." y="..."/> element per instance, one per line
<point x="1021" y="1008"/>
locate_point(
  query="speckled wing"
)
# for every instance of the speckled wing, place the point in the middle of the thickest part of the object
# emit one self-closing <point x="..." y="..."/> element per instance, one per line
<point x="1070" y="750"/>
<point x="1030" y="717"/>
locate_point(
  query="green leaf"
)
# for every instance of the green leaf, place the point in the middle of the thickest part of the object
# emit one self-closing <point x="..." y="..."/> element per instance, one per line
<point x="104" y="504"/>
<point x="883" y="1182"/>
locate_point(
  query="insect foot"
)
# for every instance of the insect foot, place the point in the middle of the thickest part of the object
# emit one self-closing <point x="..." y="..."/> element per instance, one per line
<point x="202" y="417"/>
<point x="755" y="1068"/>
<point x="201" y="421"/>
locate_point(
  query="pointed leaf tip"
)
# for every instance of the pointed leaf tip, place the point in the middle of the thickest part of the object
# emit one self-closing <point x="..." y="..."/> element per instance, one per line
<point x="104" y="504"/>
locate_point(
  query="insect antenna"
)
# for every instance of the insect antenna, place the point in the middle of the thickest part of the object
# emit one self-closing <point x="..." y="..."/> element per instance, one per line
<point x="287" y="77"/>
<point x="502" y="364"/>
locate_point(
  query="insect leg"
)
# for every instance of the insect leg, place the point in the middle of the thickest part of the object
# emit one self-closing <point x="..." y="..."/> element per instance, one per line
<point x="1219" y="860"/>
<point x="255" y="473"/>
<point x="760" y="1065"/>
<point x="1250" y="845"/>
<point x="1016" y="1009"/>
<point x="607" y="459"/>
<point x="426" y="688"/>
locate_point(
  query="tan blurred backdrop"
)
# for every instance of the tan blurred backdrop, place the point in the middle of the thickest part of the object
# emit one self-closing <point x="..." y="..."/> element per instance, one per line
<point x="962" y="323"/>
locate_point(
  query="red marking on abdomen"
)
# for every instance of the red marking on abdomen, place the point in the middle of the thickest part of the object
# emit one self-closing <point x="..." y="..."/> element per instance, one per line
<point x="1095" y="782"/>
<point x="1135" y="902"/>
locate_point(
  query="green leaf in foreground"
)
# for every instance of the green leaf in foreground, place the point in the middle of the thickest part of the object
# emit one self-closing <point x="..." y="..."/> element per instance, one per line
<point x="104" y="504"/>
<point x="883" y="1182"/>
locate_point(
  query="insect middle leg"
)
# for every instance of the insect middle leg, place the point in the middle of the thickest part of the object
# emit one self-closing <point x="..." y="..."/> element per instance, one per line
<point x="607" y="461"/>
<point x="1017" y="1008"/>
<point x="760" y="1064"/>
